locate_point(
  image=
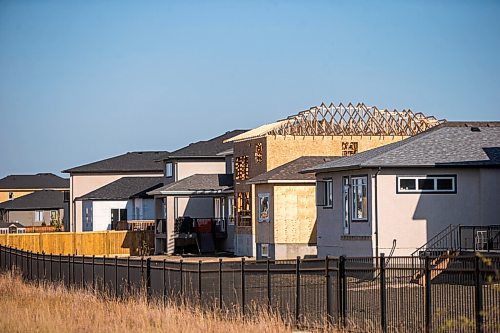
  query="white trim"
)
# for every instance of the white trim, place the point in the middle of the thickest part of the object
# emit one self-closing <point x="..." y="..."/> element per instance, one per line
<point x="434" y="178"/>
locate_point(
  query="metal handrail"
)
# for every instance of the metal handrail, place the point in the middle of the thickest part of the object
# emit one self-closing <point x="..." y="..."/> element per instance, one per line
<point x="442" y="235"/>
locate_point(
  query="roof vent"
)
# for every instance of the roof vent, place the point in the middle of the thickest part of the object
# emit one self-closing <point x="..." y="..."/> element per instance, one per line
<point x="475" y="129"/>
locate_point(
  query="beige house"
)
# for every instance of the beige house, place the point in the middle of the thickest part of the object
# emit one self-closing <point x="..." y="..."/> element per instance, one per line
<point x="334" y="130"/>
<point x="15" y="186"/>
<point x="396" y="199"/>
<point x="40" y="208"/>
<point x="90" y="177"/>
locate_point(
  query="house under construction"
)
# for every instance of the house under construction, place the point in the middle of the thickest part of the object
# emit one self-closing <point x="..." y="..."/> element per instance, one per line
<point x="334" y="130"/>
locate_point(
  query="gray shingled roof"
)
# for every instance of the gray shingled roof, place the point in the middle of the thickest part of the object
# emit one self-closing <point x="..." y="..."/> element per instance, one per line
<point x="199" y="183"/>
<point x="125" y="188"/>
<point x="209" y="148"/>
<point x="291" y="170"/>
<point x="139" y="161"/>
<point x="447" y="145"/>
<point x="4" y="225"/>
<point x="37" y="200"/>
<point x="39" y="181"/>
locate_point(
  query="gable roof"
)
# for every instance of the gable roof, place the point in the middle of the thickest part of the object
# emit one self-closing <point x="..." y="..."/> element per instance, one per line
<point x="5" y="225"/>
<point x="290" y="172"/>
<point x="138" y="161"/>
<point x="125" y="188"/>
<point x="350" y="119"/>
<point x="198" y="184"/>
<point x="450" y="144"/>
<point x="209" y="148"/>
<point x="44" y="199"/>
<point x="34" y="182"/>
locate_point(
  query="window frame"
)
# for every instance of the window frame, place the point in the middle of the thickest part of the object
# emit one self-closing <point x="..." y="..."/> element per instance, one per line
<point x="262" y="246"/>
<point x="353" y="218"/>
<point x="169" y="166"/>
<point x="262" y="197"/>
<point x="324" y="190"/>
<point x="37" y="216"/>
<point x="435" y="178"/>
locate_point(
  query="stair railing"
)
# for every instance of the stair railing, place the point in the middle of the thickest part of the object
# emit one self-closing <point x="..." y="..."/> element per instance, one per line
<point x="446" y="239"/>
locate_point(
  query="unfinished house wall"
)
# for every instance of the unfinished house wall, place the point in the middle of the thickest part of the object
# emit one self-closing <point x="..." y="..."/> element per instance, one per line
<point x="294" y="221"/>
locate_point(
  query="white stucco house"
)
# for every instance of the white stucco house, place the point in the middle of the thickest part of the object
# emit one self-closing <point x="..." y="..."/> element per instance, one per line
<point x="121" y="205"/>
<point x="397" y="198"/>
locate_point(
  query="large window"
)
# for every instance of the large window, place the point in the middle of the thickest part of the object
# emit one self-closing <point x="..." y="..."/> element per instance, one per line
<point x="324" y="193"/>
<point x="241" y="168"/>
<point x="169" y="170"/>
<point x="359" y="198"/>
<point x="427" y="184"/>
<point x="263" y="207"/>
<point x="39" y="216"/>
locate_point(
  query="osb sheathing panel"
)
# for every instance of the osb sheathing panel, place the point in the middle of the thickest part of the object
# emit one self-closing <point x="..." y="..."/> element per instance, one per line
<point x="283" y="149"/>
<point x="81" y="243"/>
<point x="294" y="214"/>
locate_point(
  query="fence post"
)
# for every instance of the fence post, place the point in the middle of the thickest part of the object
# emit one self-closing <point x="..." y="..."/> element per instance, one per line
<point x="116" y="276"/>
<point x="383" y="295"/>
<point x="37" y="267"/>
<point x="128" y="275"/>
<point x="83" y="271"/>
<point x="148" y="276"/>
<point x="297" y="290"/>
<point x="268" y="274"/>
<point x="143" y="281"/>
<point x="199" y="281"/>
<point x="220" y="283"/>
<point x="60" y="267"/>
<point x="164" y="281"/>
<point x="342" y="292"/>
<point x="478" y="295"/>
<point x="329" y="314"/>
<point x="104" y="273"/>
<point x="43" y="265"/>
<point x="1" y="248"/>
<point x="93" y="272"/>
<point x="182" y="278"/>
<point x="242" y="286"/>
<point x="427" y="273"/>
<point x="51" y="268"/>
<point x="73" y="270"/>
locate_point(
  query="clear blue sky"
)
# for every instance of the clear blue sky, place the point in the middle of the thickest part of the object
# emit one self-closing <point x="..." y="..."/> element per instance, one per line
<point x="85" y="80"/>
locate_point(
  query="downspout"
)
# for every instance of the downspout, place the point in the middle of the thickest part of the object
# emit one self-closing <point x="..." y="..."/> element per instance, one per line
<point x="73" y="205"/>
<point x="376" y="211"/>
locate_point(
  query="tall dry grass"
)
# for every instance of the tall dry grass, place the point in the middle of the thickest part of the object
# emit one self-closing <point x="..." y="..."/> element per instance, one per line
<point x="27" y="307"/>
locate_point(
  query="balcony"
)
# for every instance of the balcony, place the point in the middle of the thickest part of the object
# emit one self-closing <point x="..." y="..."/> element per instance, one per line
<point x="188" y="227"/>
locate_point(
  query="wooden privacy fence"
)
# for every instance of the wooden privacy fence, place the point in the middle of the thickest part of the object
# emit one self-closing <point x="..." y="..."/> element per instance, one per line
<point x="83" y="243"/>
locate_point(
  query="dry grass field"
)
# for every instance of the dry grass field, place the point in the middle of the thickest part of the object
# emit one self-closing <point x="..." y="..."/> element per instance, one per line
<point x="52" y="308"/>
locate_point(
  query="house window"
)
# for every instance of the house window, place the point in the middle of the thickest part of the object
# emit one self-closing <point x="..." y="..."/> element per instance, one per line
<point x="264" y="250"/>
<point x="263" y="207"/>
<point x="230" y="210"/>
<point x="349" y="148"/>
<point x="241" y="168"/>
<point x="324" y="193"/>
<point x="11" y="195"/>
<point x="258" y="153"/>
<point x="427" y="184"/>
<point x="39" y="216"/>
<point x="359" y="198"/>
<point x="243" y="208"/>
<point x="169" y="172"/>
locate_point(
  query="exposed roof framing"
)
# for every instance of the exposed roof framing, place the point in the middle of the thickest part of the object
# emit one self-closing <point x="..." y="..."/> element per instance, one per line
<point x="354" y="120"/>
<point x="347" y="119"/>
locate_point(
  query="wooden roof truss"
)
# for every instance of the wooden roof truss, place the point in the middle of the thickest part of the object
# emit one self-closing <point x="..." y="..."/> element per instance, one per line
<point x="348" y="119"/>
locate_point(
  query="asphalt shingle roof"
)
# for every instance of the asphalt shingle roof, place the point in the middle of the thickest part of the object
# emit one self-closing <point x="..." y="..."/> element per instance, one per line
<point x="447" y="145"/>
<point x="209" y="148"/>
<point x="4" y="225"/>
<point x="125" y="188"/>
<point x="199" y="183"/>
<point x="33" y="182"/>
<point x="291" y="170"/>
<point x="139" y="161"/>
<point x="37" y="200"/>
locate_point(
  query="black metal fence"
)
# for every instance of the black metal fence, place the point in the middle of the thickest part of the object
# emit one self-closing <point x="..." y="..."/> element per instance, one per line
<point x="398" y="294"/>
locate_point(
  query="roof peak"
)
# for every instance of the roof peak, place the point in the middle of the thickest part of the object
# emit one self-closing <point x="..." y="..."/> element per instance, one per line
<point x="346" y="119"/>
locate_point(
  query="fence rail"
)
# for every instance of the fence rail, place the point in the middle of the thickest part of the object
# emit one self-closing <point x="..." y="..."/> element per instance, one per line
<point x="405" y="294"/>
